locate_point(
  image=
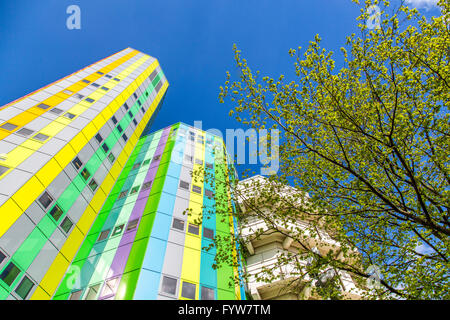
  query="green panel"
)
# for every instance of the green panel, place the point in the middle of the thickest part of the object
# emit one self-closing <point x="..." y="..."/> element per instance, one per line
<point x="30" y="248"/>
<point x="47" y="225"/>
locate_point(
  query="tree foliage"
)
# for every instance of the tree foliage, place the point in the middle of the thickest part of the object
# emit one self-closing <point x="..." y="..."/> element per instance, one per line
<point x="369" y="142"/>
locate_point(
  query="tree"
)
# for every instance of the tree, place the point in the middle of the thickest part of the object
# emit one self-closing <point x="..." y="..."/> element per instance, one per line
<point x="369" y="143"/>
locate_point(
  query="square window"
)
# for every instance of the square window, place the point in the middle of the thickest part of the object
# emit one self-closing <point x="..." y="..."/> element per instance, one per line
<point x="188" y="158"/>
<point x="100" y="73"/>
<point x="117" y="230"/>
<point x="92" y="292"/>
<point x="208" y="233"/>
<point x="125" y="105"/>
<point x="105" y="147"/>
<point x="56" y="212"/>
<point x="146" y="185"/>
<point x="10" y="274"/>
<point x="169" y="285"/>
<point x="41" y="137"/>
<point x="130" y="114"/>
<point x="136" y="165"/>
<point x="207" y="293"/>
<point x="119" y="128"/>
<point x="25" y="132"/>
<point x="135" y="122"/>
<point x="178" y="224"/>
<point x="56" y="111"/>
<point x="103" y="235"/>
<point x="124" y="137"/>
<point x="93" y="185"/>
<point x="67" y="91"/>
<point x="188" y="290"/>
<point x="146" y="162"/>
<point x="199" y="161"/>
<point x="132" y="224"/>
<point x="134" y="190"/>
<point x="114" y="120"/>
<point x="86" y="81"/>
<point x="2" y="257"/>
<point x="95" y="84"/>
<point x="108" y="76"/>
<point x="79" y="96"/>
<point x="77" y="163"/>
<point x="69" y="115"/>
<point x="8" y="126"/>
<point x="197" y="189"/>
<point x="116" y="79"/>
<point x="156" y="158"/>
<point x="184" y="184"/>
<point x="99" y="138"/>
<point x="3" y="169"/>
<point x="123" y="194"/>
<point x="110" y="287"/>
<point x="111" y="158"/>
<point x="76" y="295"/>
<point x="90" y="100"/>
<point x="209" y="165"/>
<point x="45" y="200"/>
<point x="43" y="106"/>
<point x="85" y="174"/>
<point x="24" y="288"/>
<point x="66" y="225"/>
<point x="193" y="228"/>
<point x="209" y="193"/>
<point x="135" y="95"/>
<point x="139" y="103"/>
<point x="143" y="110"/>
<point x="104" y="88"/>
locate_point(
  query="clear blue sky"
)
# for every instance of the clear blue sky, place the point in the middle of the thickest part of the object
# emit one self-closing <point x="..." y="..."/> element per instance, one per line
<point x="192" y="40"/>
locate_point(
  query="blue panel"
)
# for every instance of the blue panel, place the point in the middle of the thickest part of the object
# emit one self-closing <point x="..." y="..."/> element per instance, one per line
<point x="154" y="256"/>
<point x="161" y="226"/>
<point x="147" y="286"/>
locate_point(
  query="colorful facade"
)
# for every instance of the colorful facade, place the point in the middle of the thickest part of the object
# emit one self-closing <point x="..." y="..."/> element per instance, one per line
<point x="91" y="204"/>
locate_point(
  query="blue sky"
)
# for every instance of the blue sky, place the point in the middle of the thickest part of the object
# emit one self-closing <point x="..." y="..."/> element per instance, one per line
<point x="192" y="40"/>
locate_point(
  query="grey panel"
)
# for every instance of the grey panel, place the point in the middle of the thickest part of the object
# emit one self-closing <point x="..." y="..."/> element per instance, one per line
<point x="59" y="184"/>
<point x="58" y="238"/>
<point x="173" y="259"/>
<point x="77" y="209"/>
<point x="16" y="234"/>
<point x="34" y="162"/>
<point x="10" y="183"/>
<point x="42" y="262"/>
<point x="86" y="153"/>
<point x="176" y="237"/>
<point x="35" y="212"/>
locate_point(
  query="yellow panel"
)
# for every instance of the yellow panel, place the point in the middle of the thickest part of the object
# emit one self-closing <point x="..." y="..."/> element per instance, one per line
<point x="54" y="274"/>
<point x="28" y="193"/>
<point x="89" y="131"/>
<point x="17" y="155"/>
<point x="53" y="128"/>
<point x="86" y="220"/>
<point x="40" y="294"/>
<point x="98" y="200"/>
<point x="48" y="172"/>
<point x="78" y="142"/>
<point x="72" y="244"/>
<point x="9" y="213"/>
<point x="65" y="155"/>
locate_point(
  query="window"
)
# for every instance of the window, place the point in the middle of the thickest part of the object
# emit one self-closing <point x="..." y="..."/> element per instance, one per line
<point x="135" y="122"/>
<point x="139" y="103"/>
<point x="92" y="292"/>
<point x="104" y="88"/>
<point x="66" y="91"/>
<point x="56" y="212"/>
<point x="90" y="100"/>
<point x="8" y="126"/>
<point x="153" y="75"/>
<point x="134" y="190"/>
<point x="143" y="110"/>
<point x="25" y="132"/>
<point x="188" y="290"/>
<point x="24" y="288"/>
<point x="135" y="95"/>
<point x="98" y="137"/>
<point x="45" y="200"/>
<point x="123" y="194"/>
<point x="56" y="111"/>
<point x="3" y="169"/>
<point x="207" y="293"/>
<point x="41" y="137"/>
<point x="85" y="174"/>
<point x="199" y="161"/>
<point x="178" y="224"/>
<point x="69" y="115"/>
<point x="125" y="106"/>
<point x="124" y="137"/>
<point x="146" y="185"/>
<point x="132" y="224"/>
<point x="116" y="79"/>
<point x="209" y="165"/>
<point x="43" y="106"/>
<point x="146" y="162"/>
<point x="188" y="158"/>
<point x="76" y="295"/>
<point x="103" y="235"/>
<point x="114" y="120"/>
<point x="117" y="230"/>
<point x="136" y="165"/>
<point x="208" y="233"/>
<point x="10" y="274"/>
<point x="79" y="96"/>
<point x="66" y="225"/>
<point x="193" y="228"/>
<point x="108" y="76"/>
<point x="105" y="147"/>
<point x="130" y="114"/>
<point x="95" y="84"/>
<point x="93" y="185"/>
<point x="119" y="128"/>
<point x="111" y="157"/>
<point x="2" y="257"/>
<point x="100" y="73"/>
<point x="86" y="81"/>
<point x="77" y="163"/>
<point x="169" y="285"/>
<point x="156" y="158"/>
<point x="197" y="189"/>
<point x="184" y="185"/>
<point x="110" y="287"/>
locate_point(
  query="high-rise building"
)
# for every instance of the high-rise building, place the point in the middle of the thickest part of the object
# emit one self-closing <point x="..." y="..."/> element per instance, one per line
<point x="92" y="205"/>
<point x="62" y="149"/>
